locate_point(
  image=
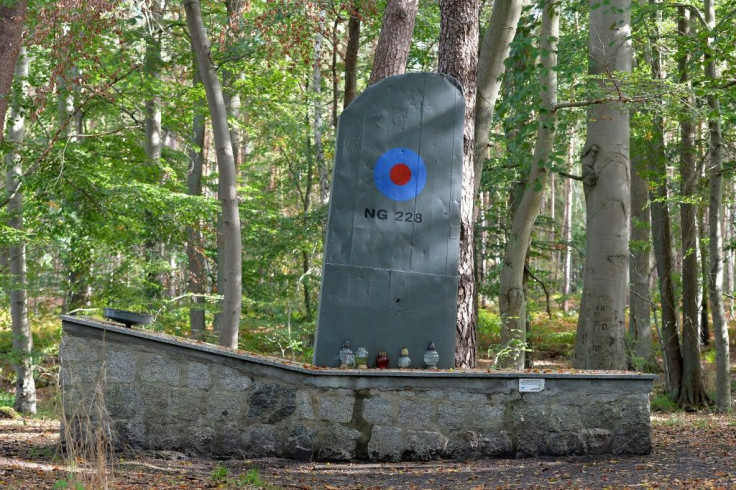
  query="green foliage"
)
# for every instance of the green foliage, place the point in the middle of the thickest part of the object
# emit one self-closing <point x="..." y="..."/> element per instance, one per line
<point x="663" y="403"/>
<point x="220" y="473"/>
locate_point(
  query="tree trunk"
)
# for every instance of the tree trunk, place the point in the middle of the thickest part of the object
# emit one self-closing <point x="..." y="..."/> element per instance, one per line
<point x="715" y="234"/>
<point x="195" y="241"/>
<point x="512" y="300"/>
<point x="692" y="391"/>
<point x="491" y="65"/>
<point x="319" y="153"/>
<point x="458" y="57"/>
<point x="12" y="20"/>
<point x="351" y="54"/>
<point x="25" y="388"/>
<point x="640" y="262"/>
<point x="600" y="334"/>
<point x="661" y="232"/>
<point x="231" y="269"/>
<point x="567" y="231"/>
<point x="392" y="49"/>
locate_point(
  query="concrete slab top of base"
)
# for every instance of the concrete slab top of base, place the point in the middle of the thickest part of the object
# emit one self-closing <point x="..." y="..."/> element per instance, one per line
<point x="104" y="327"/>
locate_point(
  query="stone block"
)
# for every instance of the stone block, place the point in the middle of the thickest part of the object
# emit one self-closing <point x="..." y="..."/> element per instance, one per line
<point x="270" y="403"/>
<point x="336" y="408"/>
<point x="199" y="439"/>
<point x="155" y="403"/>
<point x="338" y="443"/>
<point x="597" y="441"/>
<point x="601" y="415"/>
<point x="130" y="434"/>
<point x="565" y="443"/>
<point x="164" y="436"/>
<point x="463" y="445"/>
<point x="531" y="443"/>
<point x="81" y="375"/>
<point x="74" y="349"/>
<point x="415" y="414"/>
<point x="233" y="379"/>
<point x="260" y="441"/>
<point x="199" y="376"/>
<point x="187" y="404"/>
<point x="564" y="418"/>
<point x="424" y="445"/>
<point x="223" y="405"/>
<point x="227" y="441"/>
<point x="122" y="400"/>
<point x="377" y="410"/>
<point x="632" y="440"/>
<point x="300" y="443"/>
<point x="485" y="417"/>
<point x="121" y="366"/>
<point x="162" y="369"/>
<point x="304" y="409"/>
<point x="385" y="444"/>
<point x="494" y="444"/>
<point x="451" y="416"/>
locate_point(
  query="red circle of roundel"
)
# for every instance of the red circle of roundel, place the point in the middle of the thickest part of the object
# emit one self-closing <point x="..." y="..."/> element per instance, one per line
<point x="400" y="174"/>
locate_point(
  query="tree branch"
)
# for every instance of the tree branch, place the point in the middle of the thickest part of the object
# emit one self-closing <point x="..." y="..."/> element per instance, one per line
<point x="570" y="176"/>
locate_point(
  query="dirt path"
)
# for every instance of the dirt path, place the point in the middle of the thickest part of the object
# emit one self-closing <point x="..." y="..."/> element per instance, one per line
<point x="690" y="451"/>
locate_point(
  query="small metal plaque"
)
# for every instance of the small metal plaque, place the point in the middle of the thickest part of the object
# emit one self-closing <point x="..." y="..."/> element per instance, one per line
<point x="531" y="385"/>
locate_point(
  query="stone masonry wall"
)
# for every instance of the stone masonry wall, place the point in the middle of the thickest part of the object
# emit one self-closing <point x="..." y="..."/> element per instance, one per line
<point x="160" y="393"/>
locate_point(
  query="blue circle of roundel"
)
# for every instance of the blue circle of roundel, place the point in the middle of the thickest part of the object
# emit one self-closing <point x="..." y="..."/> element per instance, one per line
<point x="387" y="162"/>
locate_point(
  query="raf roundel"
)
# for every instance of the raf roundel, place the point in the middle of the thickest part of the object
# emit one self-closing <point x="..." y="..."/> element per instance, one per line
<point x="400" y="174"/>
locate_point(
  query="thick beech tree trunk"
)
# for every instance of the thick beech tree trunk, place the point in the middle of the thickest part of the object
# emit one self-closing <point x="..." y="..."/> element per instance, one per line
<point x="231" y="268"/>
<point x="12" y="20"/>
<point x="25" y="388"/>
<point x="715" y="218"/>
<point x="392" y="49"/>
<point x="491" y="65"/>
<point x="600" y="334"/>
<point x="511" y="298"/>
<point x="195" y="241"/>
<point x="458" y="57"/>
<point x="692" y="390"/>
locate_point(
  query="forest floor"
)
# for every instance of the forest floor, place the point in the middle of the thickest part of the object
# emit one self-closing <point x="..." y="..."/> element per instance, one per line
<point x="690" y="450"/>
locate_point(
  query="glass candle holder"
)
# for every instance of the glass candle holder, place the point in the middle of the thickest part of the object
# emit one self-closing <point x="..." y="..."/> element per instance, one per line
<point x="382" y="360"/>
<point x="361" y="357"/>
<point x="431" y="356"/>
<point x="404" y="360"/>
<point x="347" y="358"/>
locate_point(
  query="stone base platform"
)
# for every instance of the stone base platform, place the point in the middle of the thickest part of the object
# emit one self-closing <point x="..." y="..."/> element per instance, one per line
<point x="157" y="392"/>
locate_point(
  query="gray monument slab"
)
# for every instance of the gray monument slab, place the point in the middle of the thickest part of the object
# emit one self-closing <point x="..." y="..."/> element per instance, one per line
<point x="392" y="247"/>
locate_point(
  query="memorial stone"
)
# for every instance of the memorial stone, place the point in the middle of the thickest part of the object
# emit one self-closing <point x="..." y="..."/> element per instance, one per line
<point x="392" y="248"/>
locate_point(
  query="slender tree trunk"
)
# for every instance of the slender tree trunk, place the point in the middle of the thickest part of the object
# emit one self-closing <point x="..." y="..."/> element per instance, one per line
<point x="351" y="54"/>
<point x="640" y="261"/>
<point x="512" y="300"/>
<point x="704" y="323"/>
<point x="231" y="93"/>
<point x="12" y="20"/>
<point x="319" y="153"/>
<point x="491" y="66"/>
<point x="458" y="57"/>
<point x="392" y="49"/>
<point x="661" y="231"/>
<point x="195" y="241"/>
<point x="25" y="388"/>
<point x="715" y="234"/>
<point x="231" y="271"/>
<point x="692" y="391"/>
<point x="600" y="335"/>
<point x="567" y="231"/>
